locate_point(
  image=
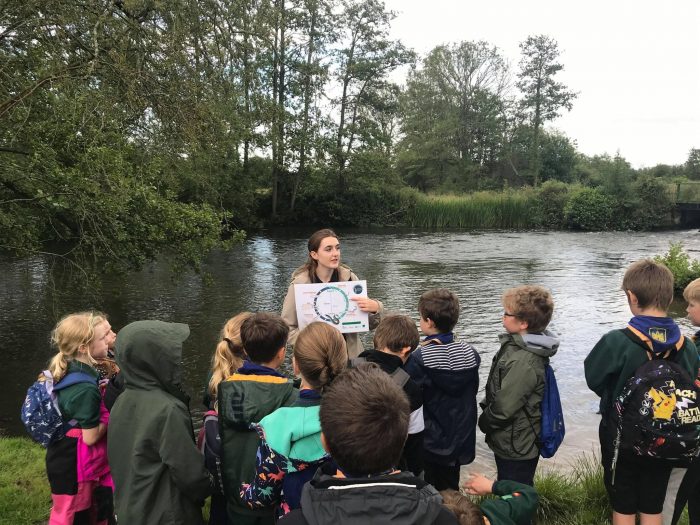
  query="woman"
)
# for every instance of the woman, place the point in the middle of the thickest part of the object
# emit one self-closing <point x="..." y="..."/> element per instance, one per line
<point x="323" y="266"/>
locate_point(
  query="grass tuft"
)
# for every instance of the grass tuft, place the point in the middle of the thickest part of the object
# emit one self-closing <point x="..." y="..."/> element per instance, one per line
<point x="25" y="498"/>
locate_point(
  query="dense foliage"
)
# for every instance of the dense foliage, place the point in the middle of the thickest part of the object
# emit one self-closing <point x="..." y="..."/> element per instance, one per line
<point x="137" y="127"/>
<point x="683" y="267"/>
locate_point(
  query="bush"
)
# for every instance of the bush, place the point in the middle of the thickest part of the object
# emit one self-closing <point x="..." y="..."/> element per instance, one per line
<point x="589" y="209"/>
<point x="684" y="268"/>
<point x="552" y="197"/>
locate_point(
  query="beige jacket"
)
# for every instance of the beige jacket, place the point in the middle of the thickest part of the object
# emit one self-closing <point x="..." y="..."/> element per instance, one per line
<point x="289" y="309"/>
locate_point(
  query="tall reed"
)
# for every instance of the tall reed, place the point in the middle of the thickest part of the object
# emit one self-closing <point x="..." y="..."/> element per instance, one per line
<point x="482" y="210"/>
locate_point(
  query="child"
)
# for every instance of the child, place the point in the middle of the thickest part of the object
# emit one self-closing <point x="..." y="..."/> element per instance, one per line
<point x="76" y="465"/>
<point x="290" y="448"/>
<point x="511" y="409"/>
<point x="640" y="482"/>
<point x="364" y="421"/>
<point x="159" y="474"/>
<point x="689" y="489"/>
<point x="448" y="373"/>
<point x="228" y="357"/>
<point x="515" y="505"/>
<point x="394" y="340"/>
<point x="254" y="391"/>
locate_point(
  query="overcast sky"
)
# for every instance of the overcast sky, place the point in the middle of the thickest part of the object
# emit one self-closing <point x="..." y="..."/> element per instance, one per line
<point x="635" y="64"/>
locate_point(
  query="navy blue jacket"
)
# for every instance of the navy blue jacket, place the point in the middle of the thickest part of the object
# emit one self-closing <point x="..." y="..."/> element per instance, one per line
<point x="448" y="374"/>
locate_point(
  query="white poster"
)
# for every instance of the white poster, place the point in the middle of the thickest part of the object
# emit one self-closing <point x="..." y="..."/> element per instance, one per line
<point x="331" y="303"/>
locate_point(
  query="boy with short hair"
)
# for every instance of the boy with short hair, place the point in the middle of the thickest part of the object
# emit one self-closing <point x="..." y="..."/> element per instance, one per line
<point x="511" y="414"/>
<point x="254" y="391"/>
<point x="639" y="483"/>
<point x="395" y="338"/>
<point x="688" y="491"/>
<point x="447" y="371"/>
<point x="364" y="421"/>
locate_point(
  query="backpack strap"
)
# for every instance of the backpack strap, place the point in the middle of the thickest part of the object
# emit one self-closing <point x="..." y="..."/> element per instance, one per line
<point x="633" y="336"/>
<point x="400" y="377"/>
<point x="430" y="341"/>
<point x="73" y="378"/>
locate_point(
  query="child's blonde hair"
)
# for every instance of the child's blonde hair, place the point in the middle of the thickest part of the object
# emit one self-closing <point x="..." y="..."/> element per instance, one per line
<point x="692" y="291"/>
<point x="69" y="335"/>
<point x="320" y="353"/>
<point x="229" y="354"/>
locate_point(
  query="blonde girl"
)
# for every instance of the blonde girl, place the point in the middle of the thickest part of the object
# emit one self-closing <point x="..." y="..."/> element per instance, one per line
<point x="290" y="447"/>
<point x="228" y="356"/>
<point x="76" y="465"/>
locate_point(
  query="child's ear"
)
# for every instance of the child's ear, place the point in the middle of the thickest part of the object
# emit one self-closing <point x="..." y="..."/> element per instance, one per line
<point x="324" y="443"/>
<point x="431" y="323"/>
<point x="632" y="298"/>
<point x="281" y="354"/>
<point x="404" y="353"/>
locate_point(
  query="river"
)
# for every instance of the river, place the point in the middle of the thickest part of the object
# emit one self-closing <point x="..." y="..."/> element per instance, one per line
<point x="582" y="270"/>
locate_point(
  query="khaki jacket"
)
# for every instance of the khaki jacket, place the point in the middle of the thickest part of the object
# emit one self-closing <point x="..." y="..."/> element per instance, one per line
<point x="289" y="310"/>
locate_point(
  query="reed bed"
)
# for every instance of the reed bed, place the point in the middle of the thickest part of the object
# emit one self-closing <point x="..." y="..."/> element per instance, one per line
<point x="482" y="210"/>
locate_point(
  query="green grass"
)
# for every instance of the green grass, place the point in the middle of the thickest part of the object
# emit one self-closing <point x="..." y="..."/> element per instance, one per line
<point x="25" y="498"/>
<point x="482" y="210"/>
<point x="576" y="497"/>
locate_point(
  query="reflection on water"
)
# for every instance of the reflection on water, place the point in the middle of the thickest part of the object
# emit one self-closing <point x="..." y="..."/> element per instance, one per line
<point x="583" y="271"/>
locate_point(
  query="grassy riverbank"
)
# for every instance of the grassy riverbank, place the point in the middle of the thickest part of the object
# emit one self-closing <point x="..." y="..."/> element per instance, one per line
<point x="574" y="498"/>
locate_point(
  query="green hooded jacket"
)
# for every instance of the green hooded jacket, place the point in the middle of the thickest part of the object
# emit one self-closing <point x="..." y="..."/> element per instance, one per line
<point x="246" y="399"/>
<point x="511" y="409"/>
<point x="159" y="474"/>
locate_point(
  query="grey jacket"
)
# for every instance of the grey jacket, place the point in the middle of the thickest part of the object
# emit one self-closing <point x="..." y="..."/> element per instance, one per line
<point x="511" y="409"/>
<point x="394" y="499"/>
<point x="289" y="309"/>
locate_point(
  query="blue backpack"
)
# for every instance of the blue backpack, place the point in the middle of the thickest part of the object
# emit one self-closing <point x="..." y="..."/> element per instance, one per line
<point x="40" y="413"/>
<point x="552" y="430"/>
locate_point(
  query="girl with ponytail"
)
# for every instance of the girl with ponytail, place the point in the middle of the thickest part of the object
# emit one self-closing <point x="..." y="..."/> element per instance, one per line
<point x="290" y="438"/>
<point x="76" y="465"/>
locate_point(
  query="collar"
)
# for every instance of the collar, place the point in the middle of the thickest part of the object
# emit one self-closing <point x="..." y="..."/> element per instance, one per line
<point x="659" y="333"/>
<point x="78" y="366"/>
<point x="308" y="398"/>
<point x="389" y="362"/>
<point x="335" y="277"/>
<point x="250" y="368"/>
<point x="442" y="338"/>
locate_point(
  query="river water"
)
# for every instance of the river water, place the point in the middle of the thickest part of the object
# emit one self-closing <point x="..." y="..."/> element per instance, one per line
<point x="582" y="270"/>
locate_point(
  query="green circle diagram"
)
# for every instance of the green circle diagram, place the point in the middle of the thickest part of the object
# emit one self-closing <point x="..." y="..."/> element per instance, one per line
<point x="331" y="304"/>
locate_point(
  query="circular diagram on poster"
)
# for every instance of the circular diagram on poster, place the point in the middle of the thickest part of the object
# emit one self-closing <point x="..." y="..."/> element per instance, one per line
<point x="331" y="304"/>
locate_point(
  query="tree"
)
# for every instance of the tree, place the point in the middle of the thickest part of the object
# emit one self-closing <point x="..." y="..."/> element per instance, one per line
<point x="692" y="165"/>
<point x="543" y="97"/>
<point x="454" y="109"/>
<point x="366" y="56"/>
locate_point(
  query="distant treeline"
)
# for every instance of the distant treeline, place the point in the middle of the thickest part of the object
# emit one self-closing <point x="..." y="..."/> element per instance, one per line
<point x="132" y="128"/>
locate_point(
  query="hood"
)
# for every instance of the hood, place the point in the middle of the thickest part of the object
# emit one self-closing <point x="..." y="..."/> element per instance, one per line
<point x="294" y="432"/>
<point x="149" y="354"/>
<point x="543" y="345"/>
<point x="395" y="499"/>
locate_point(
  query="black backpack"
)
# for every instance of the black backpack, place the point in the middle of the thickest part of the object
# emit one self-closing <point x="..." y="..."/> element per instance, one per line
<point x="657" y="414"/>
<point x="398" y="376"/>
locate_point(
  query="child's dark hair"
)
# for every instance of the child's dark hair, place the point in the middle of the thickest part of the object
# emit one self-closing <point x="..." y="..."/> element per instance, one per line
<point x="396" y="332"/>
<point x="364" y="419"/>
<point x="263" y="334"/>
<point x="530" y="303"/>
<point x="467" y="512"/>
<point x="441" y="306"/>
<point x="651" y="282"/>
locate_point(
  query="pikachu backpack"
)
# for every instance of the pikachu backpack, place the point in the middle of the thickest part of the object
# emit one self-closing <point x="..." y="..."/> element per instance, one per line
<point x="657" y="415"/>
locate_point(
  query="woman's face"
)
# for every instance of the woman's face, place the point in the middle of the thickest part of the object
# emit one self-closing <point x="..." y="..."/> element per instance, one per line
<point x="328" y="253"/>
